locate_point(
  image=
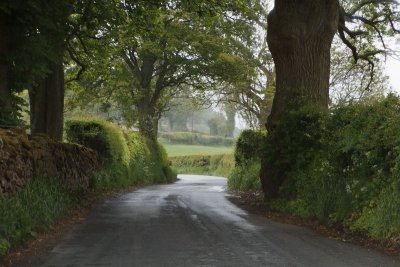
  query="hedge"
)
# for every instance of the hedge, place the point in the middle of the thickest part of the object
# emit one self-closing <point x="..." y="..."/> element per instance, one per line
<point x="249" y="146"/>
<point x="128" y="157"/>
<point x="190" y="138"/>
<point x="342" y="166"/>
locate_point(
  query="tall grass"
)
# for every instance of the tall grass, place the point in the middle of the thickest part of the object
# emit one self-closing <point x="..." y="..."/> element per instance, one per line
<point x="38" y="205"/>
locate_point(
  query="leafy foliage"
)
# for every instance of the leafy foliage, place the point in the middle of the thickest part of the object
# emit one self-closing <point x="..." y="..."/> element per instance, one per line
<point x="346" y="170"/>
<point x="106" y="138"/>
<point x="11" y="110"/>
<point x="248" y="154"/>
<point x="249" y="146"/>
<point x="185" y="47"/>
<point x="245" y="177"/>
<point x="128" y="158"/>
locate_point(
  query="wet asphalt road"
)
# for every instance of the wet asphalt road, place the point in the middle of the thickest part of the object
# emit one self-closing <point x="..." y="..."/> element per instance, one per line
<point x="191" y="223"/>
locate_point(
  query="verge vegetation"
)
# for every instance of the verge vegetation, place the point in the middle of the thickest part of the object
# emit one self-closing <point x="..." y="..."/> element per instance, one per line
<point x="248" y="151"/>
<point x="340" y="166"/>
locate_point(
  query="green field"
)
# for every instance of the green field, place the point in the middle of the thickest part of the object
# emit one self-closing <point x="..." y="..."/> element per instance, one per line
<point x="186" y="150"/>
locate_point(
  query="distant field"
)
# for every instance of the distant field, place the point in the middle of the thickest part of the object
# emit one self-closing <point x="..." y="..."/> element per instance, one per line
<point x="186" y="150"/>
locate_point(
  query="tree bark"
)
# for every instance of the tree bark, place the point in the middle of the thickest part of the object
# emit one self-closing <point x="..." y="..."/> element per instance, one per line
<point x="148" y="120"/>
<point x="230" y="112"/>
<point x="5" y="66"/>
<point x="268" y="97"/>
<point x="299" y="35"/>
<point x="47" y="104"/>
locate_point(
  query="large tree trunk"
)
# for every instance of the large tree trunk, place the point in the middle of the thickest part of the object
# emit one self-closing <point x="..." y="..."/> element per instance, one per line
<point x="268" y="97"/>
<point x="148" y="120"/>
<point x="300" y="35"/>
<point x="230" y="112"/>
<point x="47" y="104"/>
<point x="5" y="66"/>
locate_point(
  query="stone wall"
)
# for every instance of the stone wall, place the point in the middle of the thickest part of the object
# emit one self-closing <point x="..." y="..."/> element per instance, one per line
<point x="24" y="157"/>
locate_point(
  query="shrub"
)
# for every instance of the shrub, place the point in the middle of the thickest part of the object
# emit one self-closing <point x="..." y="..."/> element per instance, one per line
<point x="104" y="137"/>
<point x="189" y="138"/>
<point x="343" y="166"/>
<point x="11" y="111"/>
<point x="249" y="146"/>
<point x="245" y="177"/>
<point x="292" y="145"/>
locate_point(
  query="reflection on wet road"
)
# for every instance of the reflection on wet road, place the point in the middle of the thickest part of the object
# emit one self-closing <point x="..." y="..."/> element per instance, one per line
<point x="191" y="223"/>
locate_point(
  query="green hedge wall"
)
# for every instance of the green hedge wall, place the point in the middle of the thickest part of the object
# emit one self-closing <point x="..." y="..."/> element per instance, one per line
<point x="189" y="138"/>
<point x="128" y="157"/>
<point x="342" y="165"/>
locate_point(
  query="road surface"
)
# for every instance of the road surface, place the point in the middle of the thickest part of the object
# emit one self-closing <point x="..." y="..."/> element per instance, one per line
<point x="191" y="223"/>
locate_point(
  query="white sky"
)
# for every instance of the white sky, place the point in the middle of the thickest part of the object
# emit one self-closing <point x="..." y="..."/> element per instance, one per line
<point x="393" y="69"/>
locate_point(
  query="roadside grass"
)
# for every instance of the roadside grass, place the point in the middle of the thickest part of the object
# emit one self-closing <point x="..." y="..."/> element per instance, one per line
<point x="37" y="206"/>
<point x="175" y="150"/>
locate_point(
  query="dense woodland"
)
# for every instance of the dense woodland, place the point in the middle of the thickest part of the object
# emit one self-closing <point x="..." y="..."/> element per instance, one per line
<point x="296" y="69"/>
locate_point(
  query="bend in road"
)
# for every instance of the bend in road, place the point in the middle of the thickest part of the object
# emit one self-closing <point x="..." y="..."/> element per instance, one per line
<point x="191" y="223"/>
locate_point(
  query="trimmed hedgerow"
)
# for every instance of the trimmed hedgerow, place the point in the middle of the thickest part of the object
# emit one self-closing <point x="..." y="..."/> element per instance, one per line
<point x="128" y="157"/>
<point x="190" y="138"/>
<point x="104" y="137"/>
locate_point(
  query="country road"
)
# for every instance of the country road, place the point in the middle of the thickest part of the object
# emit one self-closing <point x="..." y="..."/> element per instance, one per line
<point x="191" y="223"/>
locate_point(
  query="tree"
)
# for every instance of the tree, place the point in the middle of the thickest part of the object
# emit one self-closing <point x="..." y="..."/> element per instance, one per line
<point x="300" y="35"/>
<point x="178" y="114"/>
<point x="351" y="82"/>
<point x="33" y="52"/>
<point x="230" y="112"/>
<point x="37" y="35"/>
<point x="217" y="125"/>
<point x="163" y="47"/>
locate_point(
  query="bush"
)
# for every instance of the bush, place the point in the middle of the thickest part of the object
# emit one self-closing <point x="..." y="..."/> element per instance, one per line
<point x="249" y="146"/>
<point x="189" y="138"/>
<point x="220" y="165"/>
<point x="104" y="137"/>
<point x="39" y="204"/>
<point x="245" y="177"/>
<point x="128" y="158"/>
<point x="342" y="167"/>
<point x="11" y="111"/>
